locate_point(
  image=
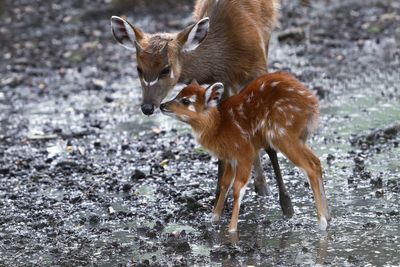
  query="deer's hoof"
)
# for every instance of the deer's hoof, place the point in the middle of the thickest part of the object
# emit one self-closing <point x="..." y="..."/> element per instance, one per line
<point x="262" y="189"/>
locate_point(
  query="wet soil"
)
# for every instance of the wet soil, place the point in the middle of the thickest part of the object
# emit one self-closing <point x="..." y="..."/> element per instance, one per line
<point x="86" y="179"/>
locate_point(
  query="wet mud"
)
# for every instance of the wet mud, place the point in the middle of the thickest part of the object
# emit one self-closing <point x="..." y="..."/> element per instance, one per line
<point x="86" y="179"/>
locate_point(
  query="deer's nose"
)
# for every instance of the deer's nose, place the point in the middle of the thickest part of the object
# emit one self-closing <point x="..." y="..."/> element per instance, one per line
<point x="148" y="109"/>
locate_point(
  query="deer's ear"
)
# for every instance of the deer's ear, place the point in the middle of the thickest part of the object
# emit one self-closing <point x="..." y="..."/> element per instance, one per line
<point x="191" y="37"/>
<point x="214" y="94"/>
<point x="126" y="34"/>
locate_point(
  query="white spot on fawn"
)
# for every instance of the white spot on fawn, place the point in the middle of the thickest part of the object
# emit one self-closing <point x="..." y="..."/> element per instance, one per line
<point x="271" y="134"/>
<point x="274" y="84"/>
<point x="244" y="134"/>
<point x="241" y="111"/>
<point x="261" y="125"/>
<point x="249" y="98"/>
<point x="262" y="87"/>
<point x="231" y="114"/>
<point x="296" y="108"/>
<point x="280" y="109"/>
<point x="192" y="108"/>
<point x="281" y="131"/>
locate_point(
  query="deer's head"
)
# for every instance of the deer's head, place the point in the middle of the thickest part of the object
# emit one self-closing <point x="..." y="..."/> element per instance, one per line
<point x="158" y="56"/>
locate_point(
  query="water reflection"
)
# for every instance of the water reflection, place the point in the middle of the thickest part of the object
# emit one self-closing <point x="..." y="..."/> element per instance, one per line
<point x="322" y="250"/>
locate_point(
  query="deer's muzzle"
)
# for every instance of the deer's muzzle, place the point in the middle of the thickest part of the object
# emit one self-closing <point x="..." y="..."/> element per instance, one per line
<point x="148" y="109"/>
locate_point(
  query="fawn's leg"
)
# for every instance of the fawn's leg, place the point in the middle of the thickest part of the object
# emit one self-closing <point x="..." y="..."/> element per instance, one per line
<point x="260" y="183"/>
<point x="303" y="157"/>
<point x="220" y="173"/>
<point x="226" y="183"/>
<point x="284" y="197"/>
<point x="243" y="171"/>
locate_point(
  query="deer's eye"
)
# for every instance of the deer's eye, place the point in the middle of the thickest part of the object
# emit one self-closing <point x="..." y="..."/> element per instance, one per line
<point x="165" y="71"/>
<point x="140" y="71"/>
<point x="185" y="101"/>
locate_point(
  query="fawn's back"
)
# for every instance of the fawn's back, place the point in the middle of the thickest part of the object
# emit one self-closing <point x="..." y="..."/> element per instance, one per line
<point x="273" y="108"/>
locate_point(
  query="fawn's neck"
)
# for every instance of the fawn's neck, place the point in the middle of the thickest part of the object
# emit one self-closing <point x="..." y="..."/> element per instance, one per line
<point x="207" y="127"/>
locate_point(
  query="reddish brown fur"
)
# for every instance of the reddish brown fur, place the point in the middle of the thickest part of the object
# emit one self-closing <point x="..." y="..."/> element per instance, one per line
<point x="233" y="53"/>
<point x="274" y="110"/>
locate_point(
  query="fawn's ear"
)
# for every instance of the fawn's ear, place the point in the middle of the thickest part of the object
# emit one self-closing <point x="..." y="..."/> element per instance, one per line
<point x="194" y="82"/>
<point x="214" y="94"/>
<point x="191" y="37"/>
<point x="126" y="34"/>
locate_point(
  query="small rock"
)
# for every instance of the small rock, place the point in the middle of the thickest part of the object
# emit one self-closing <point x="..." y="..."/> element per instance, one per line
<point x="4" y="171"/>
<point x="295" y="35"/>
<point x="94" y="219"/>
<point x="379" y="192"/>
<point x="138" y="175"/>
<point x="125" y="146"/>
<point x="369" y="225"/>
<point x="168" y="155"/>
<point x="111" y="210"/>
<point x="97" y="144"/>
<point x="98" y="84"/>
<point x="126" y="187"/>
<point x="330" y="158"/>
<point x="179" y="246"/>
<point x="108" y="99"/>
<point x="377" y="182"/>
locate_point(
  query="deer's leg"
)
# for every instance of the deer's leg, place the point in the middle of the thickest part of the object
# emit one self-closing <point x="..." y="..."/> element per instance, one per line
<point x="284" y="197"/>
<point x="260" y="182"/>
<point x="303" y="157"/>
<point x="226" y="182"/>
<point x="267" y="51"/>
<point x="243" y="171"/>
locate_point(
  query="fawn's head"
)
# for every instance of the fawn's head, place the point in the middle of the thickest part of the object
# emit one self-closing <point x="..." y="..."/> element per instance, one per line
<point x="193" y="101"/>
<point x="158" y="56"/>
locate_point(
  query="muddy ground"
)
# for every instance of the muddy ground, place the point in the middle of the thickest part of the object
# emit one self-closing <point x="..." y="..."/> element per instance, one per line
<point x="85" y="179"/>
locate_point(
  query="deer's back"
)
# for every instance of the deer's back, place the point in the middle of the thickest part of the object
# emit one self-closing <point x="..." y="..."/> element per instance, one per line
<point x="234" y="51"/>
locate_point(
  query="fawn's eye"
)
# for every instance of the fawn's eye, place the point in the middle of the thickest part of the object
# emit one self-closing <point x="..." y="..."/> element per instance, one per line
<point x="165" y="71"/>
<point x="140" y="71"/>
<point x="185" y="101"/>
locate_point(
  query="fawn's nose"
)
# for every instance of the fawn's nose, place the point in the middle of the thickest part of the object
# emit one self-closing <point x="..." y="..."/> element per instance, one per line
<point x="162" y="106"/>
<point x="148" y="109"/>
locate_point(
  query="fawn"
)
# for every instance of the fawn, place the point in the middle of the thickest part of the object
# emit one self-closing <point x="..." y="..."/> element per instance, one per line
<point x="228" y="43"/>
<point x="275" y="110"/>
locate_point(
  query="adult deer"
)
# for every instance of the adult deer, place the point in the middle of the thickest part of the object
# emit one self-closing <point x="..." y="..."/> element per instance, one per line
<point x="228" y="43"/>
